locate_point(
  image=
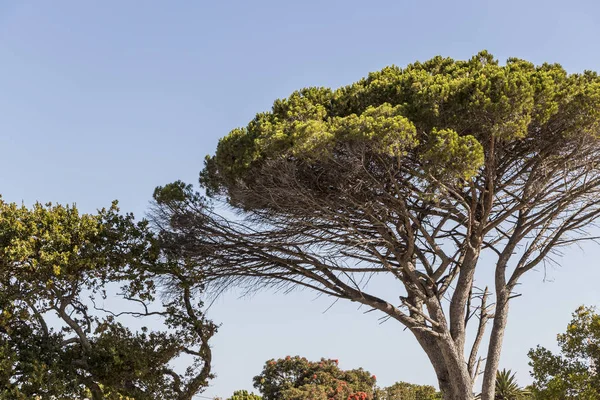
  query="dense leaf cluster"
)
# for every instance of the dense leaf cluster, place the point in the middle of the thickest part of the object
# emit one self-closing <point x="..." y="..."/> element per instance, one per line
<point x="573" y="373"/>
<point x="408" y="391"/>
<point x="244" y="395"/>
<point x="296" y="378"/>
<point x="437" y="116"/>
<point x="58" y="340"/>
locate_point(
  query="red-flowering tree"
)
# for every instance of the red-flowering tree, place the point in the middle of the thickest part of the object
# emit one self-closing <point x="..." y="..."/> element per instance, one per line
<point x="296" y="378"/>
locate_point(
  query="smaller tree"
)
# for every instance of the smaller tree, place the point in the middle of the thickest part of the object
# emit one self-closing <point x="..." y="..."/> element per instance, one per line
<point x="573" y="373"/>
<point x="296" y="378"/>
<point x="58" y="340"/>
<point x="244" y="395"/>
<point x="408" y="391"/>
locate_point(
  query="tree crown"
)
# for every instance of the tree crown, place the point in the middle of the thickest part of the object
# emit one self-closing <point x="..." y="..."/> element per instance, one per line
<point x="438" y="116"/>
<point x="57" y="339"/>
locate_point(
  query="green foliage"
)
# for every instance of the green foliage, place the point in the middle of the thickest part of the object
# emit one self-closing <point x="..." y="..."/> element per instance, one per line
<point x="56" y="339"/>
<point x="572" y="373"/>
<point x="244" y="395"/>
<point x="413" y="173"/>
<point x="447" y="152"/>
<point x="438" y="116"/>
<point x="296" y="378"/>
<point x="507" y="387"/>
<point x="408" y="391"/>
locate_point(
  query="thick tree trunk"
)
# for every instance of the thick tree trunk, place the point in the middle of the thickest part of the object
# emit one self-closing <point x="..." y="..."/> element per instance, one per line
<point x="457" y="371"/>
<point x="455" y="390"/>
<point x="431" y="348"/>
<point x="455" y="385"/>
<point x="450" y="366"/>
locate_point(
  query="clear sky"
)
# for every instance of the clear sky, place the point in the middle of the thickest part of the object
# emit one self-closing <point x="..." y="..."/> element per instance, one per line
<point x="105" y="100"/>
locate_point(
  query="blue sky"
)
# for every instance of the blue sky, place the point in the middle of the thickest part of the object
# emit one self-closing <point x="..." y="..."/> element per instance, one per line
<point x="106" y="100"/>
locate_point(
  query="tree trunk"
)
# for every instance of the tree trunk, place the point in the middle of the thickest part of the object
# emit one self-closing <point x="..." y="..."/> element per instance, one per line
<point x="450" y="366"/>
<point x="455" y="389"/>
<point x="460" y="380"/>
<point x="488" y="389"/>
